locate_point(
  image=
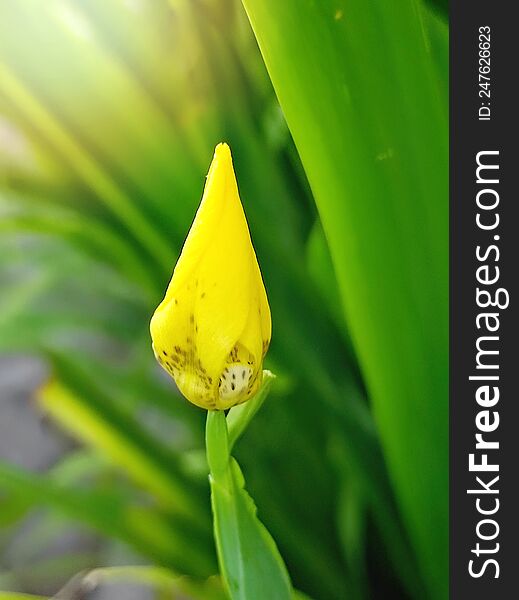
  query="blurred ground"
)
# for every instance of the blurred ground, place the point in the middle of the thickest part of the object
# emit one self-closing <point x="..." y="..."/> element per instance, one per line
<point x="28" y="440"/>
<point x="25" y="439"/>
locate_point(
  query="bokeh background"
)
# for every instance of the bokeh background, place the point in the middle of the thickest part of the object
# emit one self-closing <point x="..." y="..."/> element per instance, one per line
<point x="109" y="114"/>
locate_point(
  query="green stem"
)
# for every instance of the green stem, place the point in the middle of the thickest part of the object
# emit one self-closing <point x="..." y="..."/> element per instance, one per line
<point x="246" y="550"/>
<point x="221" y="478"/>
<point x="217" y="444"/>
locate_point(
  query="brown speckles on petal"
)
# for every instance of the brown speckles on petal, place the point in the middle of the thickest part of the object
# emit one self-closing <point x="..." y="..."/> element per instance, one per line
<point x="187" y="362"/>
<point x="238" y="378"/>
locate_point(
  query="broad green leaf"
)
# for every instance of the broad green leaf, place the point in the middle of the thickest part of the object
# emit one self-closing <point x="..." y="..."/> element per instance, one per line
<point x="363" y="99"/>
<point x="249" y="559"/>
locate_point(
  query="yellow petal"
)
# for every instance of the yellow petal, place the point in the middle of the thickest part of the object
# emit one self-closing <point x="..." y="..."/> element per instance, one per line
<point x="213" y="327"/>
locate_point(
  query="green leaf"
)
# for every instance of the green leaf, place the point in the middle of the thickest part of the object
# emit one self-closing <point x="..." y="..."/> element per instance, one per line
<point x="249" y="559"/>
<point x="362" y="94"/>
<point x="321" y="269"/>
<point x="352" y="519"/>
<point x="240" y="416"/>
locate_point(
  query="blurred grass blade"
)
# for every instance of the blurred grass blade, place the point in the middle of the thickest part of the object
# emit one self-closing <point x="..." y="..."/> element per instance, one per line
<point x="138" y="526"/>
<point x="98" y="422"/>
<point x="364" y="102"/>
<point x="163" y="582"/>
<point x="44" y="218"/>
<point x="352" y="519"/>
<point x="249" y="559"/>
<point x="320" y="268"/>
<point x="86" y="167"/>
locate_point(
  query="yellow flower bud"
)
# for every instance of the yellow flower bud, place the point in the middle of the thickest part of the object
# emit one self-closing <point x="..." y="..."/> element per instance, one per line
<point x="212" y="329"/>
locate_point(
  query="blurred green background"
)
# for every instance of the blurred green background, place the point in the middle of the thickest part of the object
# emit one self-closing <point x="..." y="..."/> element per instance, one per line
<point x="109" y="114"/>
